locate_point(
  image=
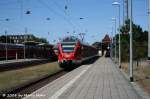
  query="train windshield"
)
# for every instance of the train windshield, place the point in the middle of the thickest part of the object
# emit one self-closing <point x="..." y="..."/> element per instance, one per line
<point x="68" y="47"/>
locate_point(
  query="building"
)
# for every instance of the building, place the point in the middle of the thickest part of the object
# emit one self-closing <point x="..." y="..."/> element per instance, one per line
<point x="106" y="40"/>
<point x="18" y="39"/>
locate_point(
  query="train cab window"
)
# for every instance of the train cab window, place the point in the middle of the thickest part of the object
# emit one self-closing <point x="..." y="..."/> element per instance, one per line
<point x="68" y="47"/>
<point x="68" y="44"/>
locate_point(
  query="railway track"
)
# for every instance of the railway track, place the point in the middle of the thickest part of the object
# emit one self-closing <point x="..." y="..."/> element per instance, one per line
<point x="23" y="90"/>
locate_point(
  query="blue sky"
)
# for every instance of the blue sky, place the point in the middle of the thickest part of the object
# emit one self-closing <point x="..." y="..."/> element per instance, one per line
<point x="97" y="16"/>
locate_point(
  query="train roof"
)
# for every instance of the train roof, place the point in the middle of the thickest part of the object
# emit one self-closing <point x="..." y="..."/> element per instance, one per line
<point x="70" y="39"/>
<point x="43" y="44"/>
<point x="73" y="39"/>
<point x="11" y="44"/>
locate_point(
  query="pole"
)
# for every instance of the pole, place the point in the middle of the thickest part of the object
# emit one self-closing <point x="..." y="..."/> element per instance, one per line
<point x="127" y="6"/>
<point x="112" y="43"/>
<point x="82" y="36"/>
<point x="102" y="47"/>
<point x="119" y="38"/>
<point x="149" y="30"/>
<point x="6" y="46"/>
<point x="123" y="12"/>
<point x="130" y="32"/>
<point x="24" y="43"/>
<point x="115" y="42"/>
<point x="118" y="8"/>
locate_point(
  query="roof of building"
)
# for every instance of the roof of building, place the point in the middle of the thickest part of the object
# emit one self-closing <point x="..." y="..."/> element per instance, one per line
<point x="106" y="39"/>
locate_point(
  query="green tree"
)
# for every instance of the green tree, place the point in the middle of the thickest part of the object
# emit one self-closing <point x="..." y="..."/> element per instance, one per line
<point x="98" y="45"/>
<point x="3" y="39"/>
<point x="42" y="40"/>
<point x="140" y="39"/>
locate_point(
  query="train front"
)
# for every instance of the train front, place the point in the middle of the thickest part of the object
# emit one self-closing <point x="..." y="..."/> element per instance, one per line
<point x="69" y="52"/>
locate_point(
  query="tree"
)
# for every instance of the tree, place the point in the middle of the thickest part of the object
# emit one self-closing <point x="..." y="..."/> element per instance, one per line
<point x="3" y="39"/>
<point x="42" y="40"/>
<point x="98" y="45"/>
<point x="140" y="40"/>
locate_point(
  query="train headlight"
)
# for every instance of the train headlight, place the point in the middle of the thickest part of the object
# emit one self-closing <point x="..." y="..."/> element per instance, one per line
<point x="67" y="55"/>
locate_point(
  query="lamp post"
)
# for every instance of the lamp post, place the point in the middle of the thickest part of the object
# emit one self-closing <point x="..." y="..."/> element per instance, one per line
<point x="114" y="20"/>
<point x="28" y="12"/>
<point x="112" y="42"/>
<point x="118" y="6"/>
<point x="130" y="32"/>
<point x="7" y="19"/>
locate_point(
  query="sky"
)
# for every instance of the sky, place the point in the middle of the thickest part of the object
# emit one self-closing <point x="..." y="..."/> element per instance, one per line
<point x="96" y="17"/>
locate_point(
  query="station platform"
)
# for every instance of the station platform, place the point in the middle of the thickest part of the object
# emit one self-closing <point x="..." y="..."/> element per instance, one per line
<point x="100" y="80"/>
<point x="19" y="63"/>
<point x="15" y="61"/>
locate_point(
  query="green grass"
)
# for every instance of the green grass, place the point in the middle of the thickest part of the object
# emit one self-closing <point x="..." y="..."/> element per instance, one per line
<point x="14" y="78"/>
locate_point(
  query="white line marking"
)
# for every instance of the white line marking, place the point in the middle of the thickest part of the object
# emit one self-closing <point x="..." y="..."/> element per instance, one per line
<point x="69" y="84"/>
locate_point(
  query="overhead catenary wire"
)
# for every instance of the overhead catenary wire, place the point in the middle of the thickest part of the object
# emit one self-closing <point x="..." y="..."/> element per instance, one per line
<point x="21" y="8"/>
<point x="8" y="3"/>
<point x="60" y="12"/>
<point x="66" y="11"/>
<point x="52" y="10"/>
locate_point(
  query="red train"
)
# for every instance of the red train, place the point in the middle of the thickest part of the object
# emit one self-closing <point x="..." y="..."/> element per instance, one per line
<point x="32" y="51"/>
<point x="72" y="51"/>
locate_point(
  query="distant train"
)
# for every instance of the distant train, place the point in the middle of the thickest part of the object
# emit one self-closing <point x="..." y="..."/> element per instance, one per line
<point x="72" y="51"/>
<point x="31" y="51"/>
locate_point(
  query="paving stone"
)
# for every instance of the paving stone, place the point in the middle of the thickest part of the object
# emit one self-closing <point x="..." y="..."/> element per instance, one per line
<point x="102" y="80"/>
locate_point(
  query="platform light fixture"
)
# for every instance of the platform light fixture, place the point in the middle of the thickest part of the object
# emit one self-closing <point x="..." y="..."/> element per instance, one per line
<point x="114" y="20"/>
<point x="117" y="4"/>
